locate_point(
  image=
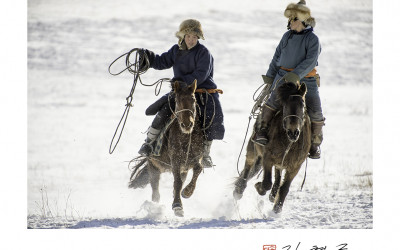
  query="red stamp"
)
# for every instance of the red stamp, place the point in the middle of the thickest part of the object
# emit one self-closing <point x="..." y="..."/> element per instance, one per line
<point x="269" y="247"/>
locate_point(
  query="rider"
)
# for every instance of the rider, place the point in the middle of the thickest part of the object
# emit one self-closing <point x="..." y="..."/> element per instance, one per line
<point x="294" y="61"/>
<point x="190" y="60"/>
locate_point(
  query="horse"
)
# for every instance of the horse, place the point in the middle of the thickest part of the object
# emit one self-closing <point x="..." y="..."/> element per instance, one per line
<point x="287" y="149"/>
<point x="182" y="149"/>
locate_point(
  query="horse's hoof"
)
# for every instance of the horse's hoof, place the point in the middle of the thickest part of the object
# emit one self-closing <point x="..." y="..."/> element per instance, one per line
<point x="277" y="208"/>
<point x="271" y="198"/>
<point x="178" y="211"/>
<point x="186" y="194"/>
<point x="237" y="195"/>
<point x="260" y="189"/>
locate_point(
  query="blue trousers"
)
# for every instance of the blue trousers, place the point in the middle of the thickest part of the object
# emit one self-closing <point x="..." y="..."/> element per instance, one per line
<point x="313" y="101"/>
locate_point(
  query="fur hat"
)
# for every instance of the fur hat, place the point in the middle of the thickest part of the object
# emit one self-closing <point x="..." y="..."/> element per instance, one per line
<point x="301" y="11"/>
<point x="189" y="26"/>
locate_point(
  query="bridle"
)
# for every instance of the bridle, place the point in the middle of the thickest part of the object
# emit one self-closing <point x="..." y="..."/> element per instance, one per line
<point x="288" y="116"/>
<point x="174" y="113"/>
<point x="284" y="127"/>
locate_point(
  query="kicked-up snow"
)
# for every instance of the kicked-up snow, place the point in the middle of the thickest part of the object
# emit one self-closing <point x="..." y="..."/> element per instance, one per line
<point x="74" y="106"/>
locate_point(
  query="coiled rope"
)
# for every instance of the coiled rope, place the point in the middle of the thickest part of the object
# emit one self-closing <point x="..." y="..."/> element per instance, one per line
<point x="141" y="58"/>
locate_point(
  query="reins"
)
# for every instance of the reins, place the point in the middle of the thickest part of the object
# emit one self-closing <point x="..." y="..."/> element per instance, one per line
<point x="290" y="144"/>
<point x="133" y="68"/>
<point x="174" y="113"/>
<point x="204" y="127"/>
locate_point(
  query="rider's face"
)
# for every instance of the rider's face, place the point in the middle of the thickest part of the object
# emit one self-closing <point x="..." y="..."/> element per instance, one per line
<point x="191" y="40"/>
<point x="296" y="24"/>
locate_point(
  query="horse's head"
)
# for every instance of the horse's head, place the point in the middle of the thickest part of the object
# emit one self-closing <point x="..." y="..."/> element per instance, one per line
<point x="185" y="105"/>
<point x="292" y="98"/>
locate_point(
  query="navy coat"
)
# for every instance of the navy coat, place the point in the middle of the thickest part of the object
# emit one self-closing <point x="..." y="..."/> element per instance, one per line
<point x="188" y="65"/>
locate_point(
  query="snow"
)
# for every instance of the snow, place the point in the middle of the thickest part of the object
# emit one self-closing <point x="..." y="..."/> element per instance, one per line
<point x="74" y="105"/>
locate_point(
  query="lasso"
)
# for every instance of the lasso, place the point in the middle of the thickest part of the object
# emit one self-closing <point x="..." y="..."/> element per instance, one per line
<point x="141" y="58"/>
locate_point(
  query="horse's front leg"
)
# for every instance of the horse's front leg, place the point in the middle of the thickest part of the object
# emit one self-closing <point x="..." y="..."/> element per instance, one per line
<point x="284" y="190"/>
<point x="265" y="185"/>
<point x="189" y="189"/>
<point x="275" y="187"/>
<point x="177" y="203"/>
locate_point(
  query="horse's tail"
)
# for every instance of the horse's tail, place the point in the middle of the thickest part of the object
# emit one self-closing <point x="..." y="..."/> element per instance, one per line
<point x="255" y="169"/>
<point x="140" y="176"/>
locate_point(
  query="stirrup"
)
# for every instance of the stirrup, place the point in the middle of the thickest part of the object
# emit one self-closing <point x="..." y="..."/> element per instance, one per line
<point x="260" y="137"/>
<point x="146" y="149"/>
<point x="315" y="152"/>
<point x="261" y="141"/>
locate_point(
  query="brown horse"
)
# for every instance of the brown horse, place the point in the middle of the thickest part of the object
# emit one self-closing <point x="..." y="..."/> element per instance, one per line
<point x="182" y="150"/>
<point x="288" y="146"/>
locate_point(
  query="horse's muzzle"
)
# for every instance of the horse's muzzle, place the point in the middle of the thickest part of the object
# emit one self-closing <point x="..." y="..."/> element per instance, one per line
<point x="293" y="135"/>
<point x="186" y="128"/>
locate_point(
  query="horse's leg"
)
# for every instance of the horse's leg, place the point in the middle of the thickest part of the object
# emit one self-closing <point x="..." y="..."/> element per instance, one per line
<point x="154" y="182"/>
<point x="241" y="182"/>
<point x="275" y="187"/>
<point x="177" y="203"/>
<point x="284" y="190"/>
<point x="265" y="185"/>
<point x="189" y="189"/>
<point x="183" y="176"/>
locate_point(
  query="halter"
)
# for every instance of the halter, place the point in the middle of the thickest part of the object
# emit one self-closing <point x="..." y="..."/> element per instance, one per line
<point x="298" y="117"/>
<point x="182" y="110"/>
<point x="179" y="111"/>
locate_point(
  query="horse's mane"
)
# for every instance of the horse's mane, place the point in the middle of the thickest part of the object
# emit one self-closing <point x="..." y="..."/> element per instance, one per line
<point x="286" y="90"/>
<point x="179" y="80"/>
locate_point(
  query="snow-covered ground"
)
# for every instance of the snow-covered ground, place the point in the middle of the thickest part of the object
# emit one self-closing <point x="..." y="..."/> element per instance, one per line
<point x="74" y="106"/>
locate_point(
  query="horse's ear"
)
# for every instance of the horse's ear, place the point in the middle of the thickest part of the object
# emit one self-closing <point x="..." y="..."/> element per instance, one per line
<point x="303" y="89"/>
<point x="177" y="86"/>
<point x="193" y="86"/>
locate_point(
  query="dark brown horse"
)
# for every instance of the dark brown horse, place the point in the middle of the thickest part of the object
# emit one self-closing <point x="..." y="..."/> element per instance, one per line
<point x="181" y="151"/>
<point x="288" y="146"/>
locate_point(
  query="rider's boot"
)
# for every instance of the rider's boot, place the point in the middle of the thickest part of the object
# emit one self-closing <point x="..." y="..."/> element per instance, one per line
<point x="261" y="136"/>
<point x="147" y="148"/>
<point x="207" y="161"/>
<point x="316" y="139"/>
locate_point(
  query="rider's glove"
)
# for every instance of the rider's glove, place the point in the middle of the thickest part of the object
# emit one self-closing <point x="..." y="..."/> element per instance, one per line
<point x="143" y="63"/>
<point x="292" y="77"/>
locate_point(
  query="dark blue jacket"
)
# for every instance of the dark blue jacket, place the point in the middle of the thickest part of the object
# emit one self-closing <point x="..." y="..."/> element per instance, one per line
<point x="188" y="65"/>
<point x="196" y="63"/>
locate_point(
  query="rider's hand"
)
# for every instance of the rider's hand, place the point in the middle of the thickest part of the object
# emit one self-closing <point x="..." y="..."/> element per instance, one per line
<point x="142" y="62"/>
<point x="292" y="77"/>
<point x="267" y="80"/>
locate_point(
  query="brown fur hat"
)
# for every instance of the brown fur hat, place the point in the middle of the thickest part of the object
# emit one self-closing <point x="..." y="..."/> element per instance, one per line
<point x="301" y="11"/>
<point x="189" y="26"/>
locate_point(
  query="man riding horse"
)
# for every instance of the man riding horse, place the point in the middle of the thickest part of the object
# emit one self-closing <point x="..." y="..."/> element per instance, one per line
<point x="190" y="61"/>
<point x="294" y="61"/>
